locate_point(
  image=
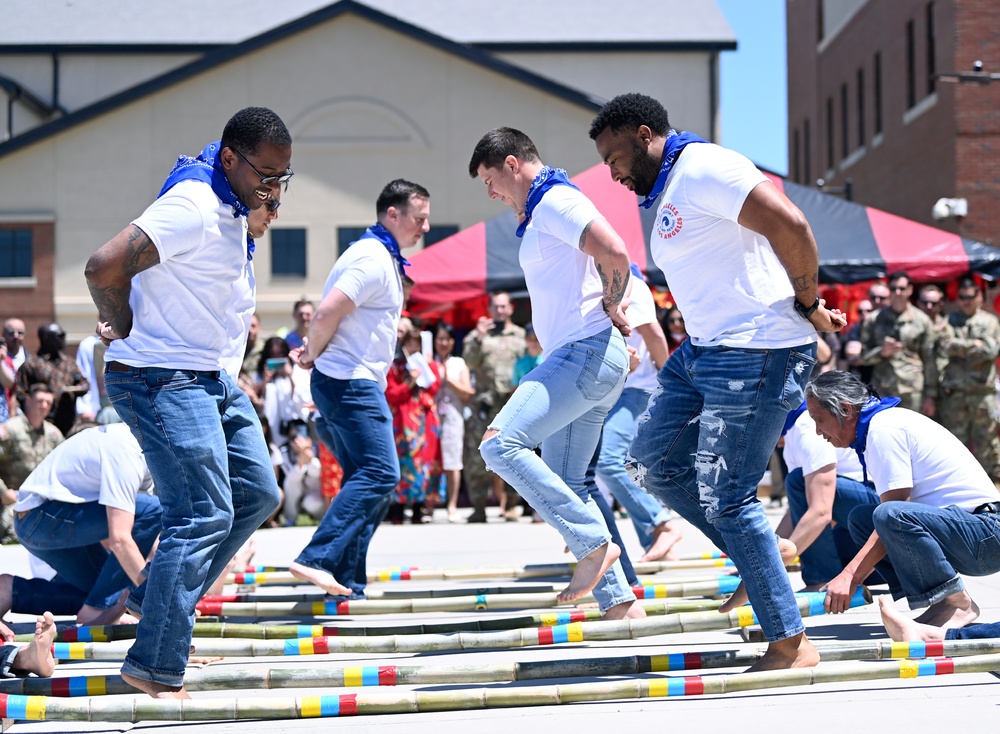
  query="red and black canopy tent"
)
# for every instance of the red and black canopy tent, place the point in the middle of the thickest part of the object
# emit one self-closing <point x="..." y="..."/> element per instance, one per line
<point x="856" y="243"/>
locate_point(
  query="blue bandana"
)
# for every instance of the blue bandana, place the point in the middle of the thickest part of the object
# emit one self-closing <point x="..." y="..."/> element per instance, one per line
<point x="545" y="180"/>
<point x="873" y="406"/>
<point x="676" y="142"/>
<point x="380" y="233"/>
<point x="207" y="167"/>
<point x="793" y="415"/>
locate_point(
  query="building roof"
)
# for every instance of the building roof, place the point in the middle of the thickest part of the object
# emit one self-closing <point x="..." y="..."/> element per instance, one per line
<point x="512" y="24"/>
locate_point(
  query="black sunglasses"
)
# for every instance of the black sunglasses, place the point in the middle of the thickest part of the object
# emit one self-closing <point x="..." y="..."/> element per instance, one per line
<point x="267" y="180"/>
<point x="930" y="303"/>
<point x="967" y="297"/>
<point x="272" y="205"/>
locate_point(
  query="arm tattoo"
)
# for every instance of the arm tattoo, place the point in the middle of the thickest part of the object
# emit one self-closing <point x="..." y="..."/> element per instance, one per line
<point x="614" y="287"/>
<point x="804" y="282"/>
<point x="141" y="254"/>
<point x="583" y="235"/>
<point x="112" y="299"/>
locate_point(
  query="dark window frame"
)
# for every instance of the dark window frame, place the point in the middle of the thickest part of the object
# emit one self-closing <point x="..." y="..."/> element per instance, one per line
<point x="286" y="263"/>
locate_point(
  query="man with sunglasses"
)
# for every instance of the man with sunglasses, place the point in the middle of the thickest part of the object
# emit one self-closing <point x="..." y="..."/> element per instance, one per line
<point x="13" y="336"/>
<point x="971" y="343"/>
<point x="175" y="291"/>
<point x="898" y="342"/>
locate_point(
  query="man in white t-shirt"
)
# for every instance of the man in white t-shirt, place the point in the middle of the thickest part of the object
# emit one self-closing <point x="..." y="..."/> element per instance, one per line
<point x="939" y="512"/>
<point x="824" y="485"/>
<point x="175" y="291"/>
<point x="577" y="272"/>
<point x="657" y="534"/>
<point x="351" y="344"/>
<point x="743" y="267"/>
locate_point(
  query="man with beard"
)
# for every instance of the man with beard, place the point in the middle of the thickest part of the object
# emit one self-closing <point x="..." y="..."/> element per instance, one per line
<point x="743" y="267"/>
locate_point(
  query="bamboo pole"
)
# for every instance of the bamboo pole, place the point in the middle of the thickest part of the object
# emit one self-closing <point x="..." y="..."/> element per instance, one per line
<point x="219" y="679"/>
<point x="41" y="708"/>
<point x="624" y="629"/>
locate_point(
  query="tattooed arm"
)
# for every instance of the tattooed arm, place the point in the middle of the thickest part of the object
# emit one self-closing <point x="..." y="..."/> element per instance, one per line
<point x="603" y="244"/>
<point x="769" y="212"/>
<point x="109" y="275"/>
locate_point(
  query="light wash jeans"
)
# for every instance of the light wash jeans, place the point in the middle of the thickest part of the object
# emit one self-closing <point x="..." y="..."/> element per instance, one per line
<point x="561" y="405"/>
<point x="643" y="509"/>
<point x="825" y="557"/>
<point x="928" y="547"/>
<point x="704" y="448"/>
<point x="355" y="423"/>
<point x="209" y="461"/>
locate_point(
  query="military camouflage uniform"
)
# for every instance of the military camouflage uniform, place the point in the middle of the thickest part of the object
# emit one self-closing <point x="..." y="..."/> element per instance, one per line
<point x="911" y="374"/>
<point x="22" y="448"/>
<point x="491" y="361"/>
<point x="968" y="387"/>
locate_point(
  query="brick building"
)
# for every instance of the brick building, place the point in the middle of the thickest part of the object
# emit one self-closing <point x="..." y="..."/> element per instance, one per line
<point x="865" y="103"/>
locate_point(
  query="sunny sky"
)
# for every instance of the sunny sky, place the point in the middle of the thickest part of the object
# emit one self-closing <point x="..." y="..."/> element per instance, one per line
<point x="753" y="83"/>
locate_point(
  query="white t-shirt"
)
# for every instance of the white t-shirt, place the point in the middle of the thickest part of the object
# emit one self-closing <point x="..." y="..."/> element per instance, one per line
<point x="641" y="311"/>
<point x="726" y="278"/>
<point x="908" y="449"/>
<point x="102" y="464"/>
<point x="808" y="451"/>
<point x="191" y="311"/>
<point x="365" y="341"/>
<point x="565" y="289"/>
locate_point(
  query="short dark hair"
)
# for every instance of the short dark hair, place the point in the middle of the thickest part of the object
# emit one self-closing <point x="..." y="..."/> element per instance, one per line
<point x="626" y="112"/>
<point x="37" y="387"/>
<point x="494" y="147"/>
<point x="251" y="126"/>
<point x="967" y="282"/>
<point x="900" y="274"/>
<point x="397" y="193"/>
<point x="300" y="303"/>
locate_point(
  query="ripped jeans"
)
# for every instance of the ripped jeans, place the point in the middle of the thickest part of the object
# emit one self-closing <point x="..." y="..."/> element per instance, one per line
<point x="705" y="446"/>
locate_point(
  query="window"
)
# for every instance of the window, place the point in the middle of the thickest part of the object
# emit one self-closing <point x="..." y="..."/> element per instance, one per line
<point x="877" y="84"/>
<point x="829" y="133"/>
<point x="911" y="68"/>
<point x="931" y="62"/>
<point x="844" y="119"/>
<point x="288" y="252"/>
<point x="15" y="253"/>
<point x="861" y="108"/>
<point x="347" y="235"/>
<point x="795" y="156"/>
<point x="807" y="151"/>
<point x="439" y="232"/>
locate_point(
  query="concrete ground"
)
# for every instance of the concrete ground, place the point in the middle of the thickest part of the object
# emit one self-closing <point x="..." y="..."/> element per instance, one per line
<point x="922" y="704"/>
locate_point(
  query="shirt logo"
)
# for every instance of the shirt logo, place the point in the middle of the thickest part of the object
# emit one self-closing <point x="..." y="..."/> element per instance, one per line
<point x="669" y="221"/>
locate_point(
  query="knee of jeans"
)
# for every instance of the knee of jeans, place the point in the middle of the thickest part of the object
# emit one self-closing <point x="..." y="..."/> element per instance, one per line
<point x="860" y="522"/>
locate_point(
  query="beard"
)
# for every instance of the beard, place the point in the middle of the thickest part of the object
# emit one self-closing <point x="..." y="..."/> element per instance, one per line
<point x="645" y="169"/>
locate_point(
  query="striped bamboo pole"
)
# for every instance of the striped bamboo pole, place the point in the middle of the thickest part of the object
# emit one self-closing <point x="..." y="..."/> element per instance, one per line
<point x="612" y="630"/>
<point x="41" y="708"/>
<point x="393" y="593"/>
<point x="220" y="679"/>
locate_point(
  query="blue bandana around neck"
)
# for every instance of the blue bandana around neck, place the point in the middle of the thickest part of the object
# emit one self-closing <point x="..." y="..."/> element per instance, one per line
<point x="545" y="180"/>
<point x="676" y="142"/>
<point x="207" y="167"/>
<point x="380" y="233"/>
<point x="793" y="415"/>
<point x="868" y="410"/>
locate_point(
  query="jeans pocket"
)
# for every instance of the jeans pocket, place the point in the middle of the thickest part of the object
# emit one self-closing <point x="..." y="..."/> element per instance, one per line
<point x="45" y="531"/>
<point x="988" y="553"/>
<point x="174" y="381"/>
<point x="598" y="377"/>
<point x="797" y="371"/>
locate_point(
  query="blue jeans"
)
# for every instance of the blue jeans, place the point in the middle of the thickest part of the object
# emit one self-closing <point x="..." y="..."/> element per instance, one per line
<point x="590" y="482"/>
<point x="928" y="547"/>
<point x="644" y="510"/>
<point x="826" y="556"/>
<point x="707" y="442"/>
<point x="209" y="461"/>
<point x="985" y="631"/>
<point x="561" y="405"/>
<point x="355" y="423"/>
<point x="36" y="596"/>
<point x="68" y="537"/>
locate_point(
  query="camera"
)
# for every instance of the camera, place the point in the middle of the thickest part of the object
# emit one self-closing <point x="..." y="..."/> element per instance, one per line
<point x="276" y="364"/>
<point x="498" y="326"/>
<point x="295" y="428"/>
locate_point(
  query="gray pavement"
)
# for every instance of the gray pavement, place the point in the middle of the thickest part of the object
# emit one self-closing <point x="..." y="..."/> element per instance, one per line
<point x="922" y="704"/>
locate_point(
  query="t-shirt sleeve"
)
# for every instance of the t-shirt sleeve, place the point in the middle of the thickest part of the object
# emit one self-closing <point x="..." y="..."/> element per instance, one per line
<point x="722" y="187"/>
<point x="174" y="222"/>
<point x="888" y="459"/>
<point x="817" y="452"/>
<point x="123" y="472"/>
<point x="642" y="307"/>
<point x="564" y="213"/>
<point x="363" y="278"/>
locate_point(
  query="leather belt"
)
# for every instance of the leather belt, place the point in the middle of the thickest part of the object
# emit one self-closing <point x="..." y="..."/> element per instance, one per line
<point x="118" y="367"/>
<point x="113" y="366"/>
<point x="987" y="508"/>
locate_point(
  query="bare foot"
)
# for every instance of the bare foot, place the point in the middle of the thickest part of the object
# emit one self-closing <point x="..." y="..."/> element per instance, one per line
<point x="156" y="690"/>
<point x="793" y="652"/>
<point x="625" y="610"/>
<point x="92" y="616"/>
<point x="36" y="656"/>
<point x="665" y="537"/>
<point x="904" y="629"/>
<point x="589" y="570"/>
<point x="956" y="610"/>
<point x="788" y="552"/>
<point x="326" y="581"/>
<point x="204" y="659"/>
<point x="588" y="605"/>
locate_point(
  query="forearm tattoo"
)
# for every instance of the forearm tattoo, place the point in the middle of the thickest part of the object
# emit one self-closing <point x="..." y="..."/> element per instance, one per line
<point x="614" y="287"/>
<point x="112" y="300"/>
<point x="804" y="282"/>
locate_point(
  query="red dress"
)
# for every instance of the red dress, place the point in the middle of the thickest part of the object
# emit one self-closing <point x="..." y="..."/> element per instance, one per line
<point x="416" y="426"/>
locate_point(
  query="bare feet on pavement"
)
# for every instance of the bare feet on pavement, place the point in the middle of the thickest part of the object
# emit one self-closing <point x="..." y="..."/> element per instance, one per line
<point x="625" y="610"/>
<point x="326" y="581"/>
<point x="665" y="537"/>
<point x="156" y="690"/>
<point x="588" y="572"/>
<point x="36" y="656"/>
<point x="793" y="652"/>
<point x="788" y="552"/>
<point x="956" y="610"/>
<point x="904" y="629"/>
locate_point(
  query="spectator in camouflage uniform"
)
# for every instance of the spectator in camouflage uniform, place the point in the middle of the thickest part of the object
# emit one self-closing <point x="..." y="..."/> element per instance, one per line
<point x="968" y="393"/>
<point x="490" y="351"/>
<point x="25" y="440"/>
<point x="930" y="300"/>
<point x="898" y="341"/>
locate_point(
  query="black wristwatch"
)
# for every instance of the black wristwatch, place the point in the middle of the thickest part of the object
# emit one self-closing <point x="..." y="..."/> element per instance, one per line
<point x="806" y="312"/>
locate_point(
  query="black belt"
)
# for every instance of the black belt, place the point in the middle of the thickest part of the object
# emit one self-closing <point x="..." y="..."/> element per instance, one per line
<point x="113" y="366"/>
<point x="987" y="508"/>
